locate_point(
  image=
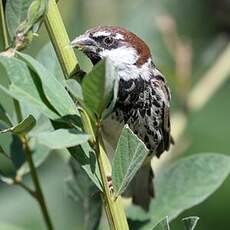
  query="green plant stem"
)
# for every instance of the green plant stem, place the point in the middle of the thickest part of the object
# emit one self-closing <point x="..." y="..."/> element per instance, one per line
<point x="26" y="188"/>
<point x="114" y="209"/>
<point x="38" y="191"/>
<point x="3" y="26"/>
<point x="60" y="40"/>
<point x="58" y="35"/>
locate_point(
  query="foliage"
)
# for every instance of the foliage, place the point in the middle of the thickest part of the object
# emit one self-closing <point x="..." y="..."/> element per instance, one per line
<point x="128" y="158"/>
<point x="182" y="186"/>
<point x="41" y="112"/>
<point x="189" y="223"/>
<point x="82" y="190"/>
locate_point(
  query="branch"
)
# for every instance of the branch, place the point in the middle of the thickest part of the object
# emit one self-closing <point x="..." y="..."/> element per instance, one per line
<point x="69" y="63"/>
<point x="25" y="187"/>
<point x="17" y="181"/>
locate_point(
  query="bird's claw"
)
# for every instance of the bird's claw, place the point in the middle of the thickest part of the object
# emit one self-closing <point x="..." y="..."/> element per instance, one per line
<point x="109" y="182"/>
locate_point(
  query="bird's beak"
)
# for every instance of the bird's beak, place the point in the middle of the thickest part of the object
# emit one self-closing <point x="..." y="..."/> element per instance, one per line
<point x="83" y="42"/>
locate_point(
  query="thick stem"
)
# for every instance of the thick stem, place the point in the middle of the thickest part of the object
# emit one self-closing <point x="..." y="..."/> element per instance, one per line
<point x="38" y="191"/>
<point x="54" y="24"/>
<point x="60" y="40"/>
<point x="3" y="26"/>
<point x="114" y="209"/>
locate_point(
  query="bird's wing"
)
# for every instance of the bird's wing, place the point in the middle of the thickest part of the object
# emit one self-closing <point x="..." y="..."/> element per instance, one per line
<point x="164" y="145"/>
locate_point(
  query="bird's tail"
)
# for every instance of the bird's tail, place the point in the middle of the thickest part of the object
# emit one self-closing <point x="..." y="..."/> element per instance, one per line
<point x="141" y="188"/>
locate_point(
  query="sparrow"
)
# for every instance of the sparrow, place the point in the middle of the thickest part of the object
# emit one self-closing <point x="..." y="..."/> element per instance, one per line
<point x="143" y="99"/>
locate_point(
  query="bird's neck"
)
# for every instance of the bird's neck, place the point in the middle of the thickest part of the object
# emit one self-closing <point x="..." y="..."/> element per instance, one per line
<point x="127" y="71"/>
<point x="127" y="61"/>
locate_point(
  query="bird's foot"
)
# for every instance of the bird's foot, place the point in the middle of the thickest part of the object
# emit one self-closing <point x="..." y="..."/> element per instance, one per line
<point x="109" y="182"/>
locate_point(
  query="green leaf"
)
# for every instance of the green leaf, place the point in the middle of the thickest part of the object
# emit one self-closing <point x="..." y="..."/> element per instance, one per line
<point x="84" y="192"/>
<point x="48" y="58"/>
<point x="7" y="104"/>
<point x="128" y="158"/>
<point x="61" y="138"/>
<point x="112" y="103"/>
<point x="74" y="88"/>
<point x="87" y="159"/>
<point x="3" y="114"/>
<point x="190" y="222"/>
<point x="24" y="19"/>
<point x="98" y="87"/>
<point x="11" y="146"/>
<point x="185" y="183"/>
<point x="162" y="225"/>
<point x="16" y="12"/>
<point x="55" y="92"/>
<point x="22" y="87"/>
<point x="34" y="16"/>
<point x="23" y="127"/>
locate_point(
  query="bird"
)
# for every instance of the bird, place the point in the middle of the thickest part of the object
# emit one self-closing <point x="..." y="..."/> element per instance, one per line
<point x="143" y="98"/>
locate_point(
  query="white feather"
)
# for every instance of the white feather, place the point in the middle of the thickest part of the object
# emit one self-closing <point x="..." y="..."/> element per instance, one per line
<point x="124" y="59"/>
<point x="119" y="36"/>
<point x="101" y="33"/>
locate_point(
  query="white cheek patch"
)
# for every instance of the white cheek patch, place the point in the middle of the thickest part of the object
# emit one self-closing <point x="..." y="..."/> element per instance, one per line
<point x="124" y="58"/>
<point x="121" y="56"/>
<point x="101" y="33"/>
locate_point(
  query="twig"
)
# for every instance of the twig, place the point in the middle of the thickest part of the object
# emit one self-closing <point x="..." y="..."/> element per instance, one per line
<point x="3" y="26"/>
<point x="25" y="187"/>
<point x="38" y="191"/>
<point x="68" y="61"/>
<point x="17" y="181"/>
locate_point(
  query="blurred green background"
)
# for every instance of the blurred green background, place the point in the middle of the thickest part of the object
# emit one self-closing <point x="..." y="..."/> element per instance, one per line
<point x="186" y="38"/>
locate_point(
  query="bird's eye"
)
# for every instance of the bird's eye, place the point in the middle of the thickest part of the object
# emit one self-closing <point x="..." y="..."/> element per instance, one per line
<point x="108" y="41"/>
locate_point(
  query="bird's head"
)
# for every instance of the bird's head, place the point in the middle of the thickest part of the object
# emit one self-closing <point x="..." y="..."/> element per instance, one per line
<point x="117" y="44"/>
